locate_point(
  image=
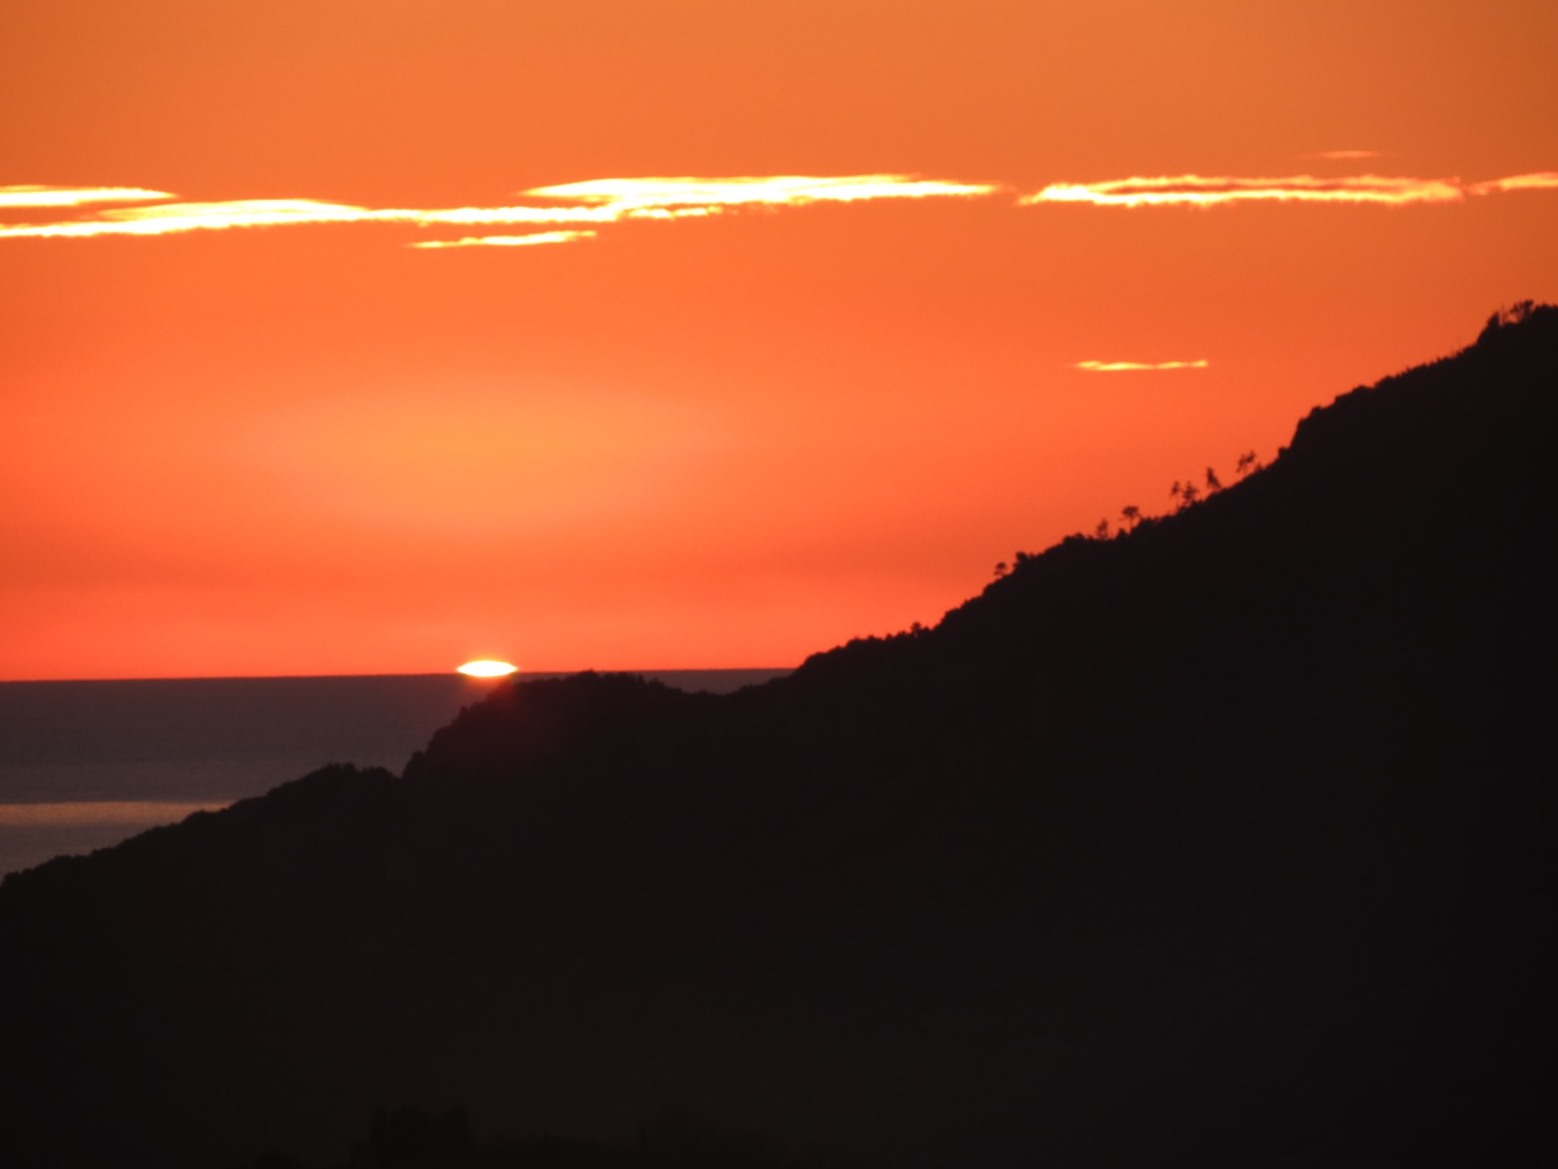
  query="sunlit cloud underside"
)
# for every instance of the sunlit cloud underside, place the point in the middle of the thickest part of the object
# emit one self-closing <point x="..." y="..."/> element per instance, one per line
<point x="1210" y="191"/>
<point x="1140" y="366"/>
<point x="174" y="218"/>
<point x="570" y="212"/>
<point x="589" y="204"/>
<point x="36" y="196"/>
<point x="507" y="241"/>
<point x="771" y="191"/>
<point x="1541" y="181"/>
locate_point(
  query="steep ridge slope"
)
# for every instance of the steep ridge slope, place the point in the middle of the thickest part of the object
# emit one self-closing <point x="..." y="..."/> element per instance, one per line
<point x="1222" y="842"/>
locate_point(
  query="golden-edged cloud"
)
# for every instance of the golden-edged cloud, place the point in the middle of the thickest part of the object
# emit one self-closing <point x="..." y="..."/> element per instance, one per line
<point x="33" y="195"/>
<point x="570" y="212"/>
<point x="1205" y="191"/>
<point x="1223" y="190"/>
<point x="172" y="218"/>
<point x="1540" y="181"/>
<point x="575" y="209"/>
<point x="710" y="195"/>
<point x="1140" y="366"/>
<point x="507" y="241"/>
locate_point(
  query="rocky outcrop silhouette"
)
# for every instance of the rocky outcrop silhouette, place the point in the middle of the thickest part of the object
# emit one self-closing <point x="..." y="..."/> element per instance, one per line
<point x="1225" y="841"/>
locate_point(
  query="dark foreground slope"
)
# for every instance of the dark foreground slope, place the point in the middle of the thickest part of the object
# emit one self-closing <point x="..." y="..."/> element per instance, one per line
<point x="1223" y="843"/>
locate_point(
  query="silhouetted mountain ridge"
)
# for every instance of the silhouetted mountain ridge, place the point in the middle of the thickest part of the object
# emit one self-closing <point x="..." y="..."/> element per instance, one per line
<point x="1224" y="841"/>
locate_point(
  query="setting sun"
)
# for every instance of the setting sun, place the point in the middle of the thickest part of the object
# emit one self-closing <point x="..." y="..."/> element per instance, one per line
<point x="487" y="668"/>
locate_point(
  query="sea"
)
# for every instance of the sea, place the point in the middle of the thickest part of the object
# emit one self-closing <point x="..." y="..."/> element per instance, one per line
<point x="85" y="765"/>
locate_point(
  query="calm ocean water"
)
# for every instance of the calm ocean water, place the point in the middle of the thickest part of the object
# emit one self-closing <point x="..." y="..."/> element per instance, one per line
<point x="84" y="765"/>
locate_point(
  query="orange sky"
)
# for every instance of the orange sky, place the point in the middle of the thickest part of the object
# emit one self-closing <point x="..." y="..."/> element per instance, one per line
<point x="693" y="424"/>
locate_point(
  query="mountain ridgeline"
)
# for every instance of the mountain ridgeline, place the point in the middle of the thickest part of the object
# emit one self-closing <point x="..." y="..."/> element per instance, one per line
<point x="1222" y="842"/>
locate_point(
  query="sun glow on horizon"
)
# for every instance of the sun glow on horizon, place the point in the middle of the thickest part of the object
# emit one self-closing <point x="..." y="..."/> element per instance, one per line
<point x="487" y="668"/>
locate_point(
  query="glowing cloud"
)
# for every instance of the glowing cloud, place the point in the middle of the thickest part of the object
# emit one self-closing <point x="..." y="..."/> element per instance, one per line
<point x="494" y="216"/>
<point x="577" y="209"/>
<point x="596" y="202"/>
<point x="1541" y="181"/>
<point x="1139" y="366"/>
<point x="172" y="218"/>
<point x="507" y="241"/>
<point x="1203" y="191"/>
<point x="633" y="195"/>
<point x="36" y="196"/>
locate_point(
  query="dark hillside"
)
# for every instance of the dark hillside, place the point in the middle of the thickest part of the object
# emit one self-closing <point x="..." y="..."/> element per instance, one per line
<point x="1225" y="842"/>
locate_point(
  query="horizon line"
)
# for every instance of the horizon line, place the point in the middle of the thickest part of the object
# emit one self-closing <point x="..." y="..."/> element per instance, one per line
<point x="449" y="673"/>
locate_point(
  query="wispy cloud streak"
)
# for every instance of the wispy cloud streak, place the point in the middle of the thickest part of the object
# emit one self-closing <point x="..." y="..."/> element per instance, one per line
<point x="631" y="195"/>
<point x="1218" y="191"/>
<point x="577" y="211"/>
<point x="1540" y="181"/>
<point x="574" y="208"/>
<point x="1204" y="191"/>
<point x="39" y="196"/>
<point x="1140" y="366"/>
<point x="173" y="218"/>
<point x="507" y="241"/>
